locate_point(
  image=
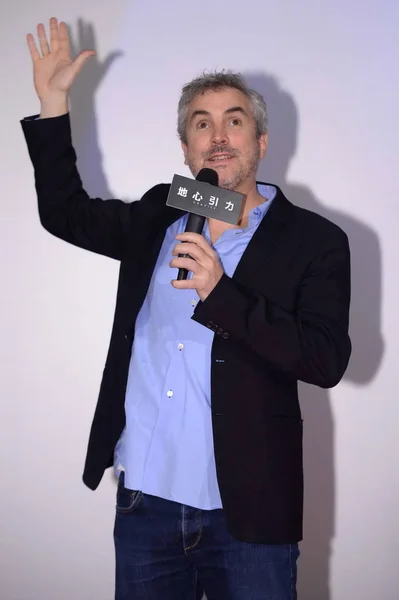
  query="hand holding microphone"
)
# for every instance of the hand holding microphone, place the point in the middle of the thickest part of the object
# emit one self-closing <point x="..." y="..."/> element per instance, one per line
<point x="201" y="198"/>
<point x="195" y="223"/>
<point x="203" y="262"/>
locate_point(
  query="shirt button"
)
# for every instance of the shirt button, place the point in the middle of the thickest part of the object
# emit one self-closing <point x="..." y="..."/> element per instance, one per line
<point x="169" y="393"/>
<point x="180" y="346"/>
<point x="193" y="302"/>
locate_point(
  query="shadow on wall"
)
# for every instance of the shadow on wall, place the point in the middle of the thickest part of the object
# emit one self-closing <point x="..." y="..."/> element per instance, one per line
<point x="83" y="115"/>
<point x="320" y="493"/>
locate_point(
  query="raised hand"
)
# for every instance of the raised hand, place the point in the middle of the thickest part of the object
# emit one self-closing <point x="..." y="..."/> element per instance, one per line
<point x="54" y="68"/>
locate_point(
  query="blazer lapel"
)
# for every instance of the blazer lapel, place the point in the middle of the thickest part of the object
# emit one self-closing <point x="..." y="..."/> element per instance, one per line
<point x="257" y="255"/>
<point x="265" y="240"/>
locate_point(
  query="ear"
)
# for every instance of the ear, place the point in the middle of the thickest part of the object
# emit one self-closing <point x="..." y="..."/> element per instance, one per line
<point x="263" y="143"/>
<point x="184" y="148"/>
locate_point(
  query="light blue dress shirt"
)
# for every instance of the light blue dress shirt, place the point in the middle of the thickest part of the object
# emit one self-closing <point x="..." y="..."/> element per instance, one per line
<point x="166" y="448"/>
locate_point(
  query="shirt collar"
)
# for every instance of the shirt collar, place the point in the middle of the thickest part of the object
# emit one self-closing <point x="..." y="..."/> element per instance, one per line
<point x="258" y="212"/>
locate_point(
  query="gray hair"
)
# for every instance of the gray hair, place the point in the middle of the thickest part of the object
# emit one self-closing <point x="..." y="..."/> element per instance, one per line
<point x="217" y="81"/>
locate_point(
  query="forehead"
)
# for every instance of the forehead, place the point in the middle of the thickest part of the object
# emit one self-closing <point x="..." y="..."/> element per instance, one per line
<point x="219" y="101"/>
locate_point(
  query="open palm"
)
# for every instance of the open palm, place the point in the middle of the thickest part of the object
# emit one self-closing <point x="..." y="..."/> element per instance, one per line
<point x="54" y="68"/>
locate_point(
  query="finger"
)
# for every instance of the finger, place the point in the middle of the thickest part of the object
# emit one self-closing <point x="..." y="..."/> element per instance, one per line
<point x="184" y="284"/>
<point x="190" y="236"/>
<point x="41" y="32"/>
<point x="63" y="38"/>
<point x="197" y="239"/>
<point x="34" y="52"/>
<point x="185" y="263"/>
<point x="197" y="253"/>
<point x="192" y="249"/>
<point x="54" y="35"/>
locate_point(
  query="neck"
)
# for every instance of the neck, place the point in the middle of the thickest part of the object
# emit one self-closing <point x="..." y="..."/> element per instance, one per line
<point x="252" y="199"/>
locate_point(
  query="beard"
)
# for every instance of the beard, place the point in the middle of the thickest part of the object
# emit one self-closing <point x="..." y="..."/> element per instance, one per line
<point x="245" y="169"/>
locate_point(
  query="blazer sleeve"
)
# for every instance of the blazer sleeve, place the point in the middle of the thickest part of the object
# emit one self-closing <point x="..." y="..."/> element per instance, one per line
<point x="311" y="343"/>
<point x="65" y="209"/>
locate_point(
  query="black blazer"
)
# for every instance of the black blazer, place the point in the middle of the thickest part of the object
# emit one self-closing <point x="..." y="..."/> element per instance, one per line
<point x="282" y="317"/>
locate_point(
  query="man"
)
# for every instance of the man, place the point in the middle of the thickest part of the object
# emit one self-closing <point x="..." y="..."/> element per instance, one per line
<point x="198" y="408"/>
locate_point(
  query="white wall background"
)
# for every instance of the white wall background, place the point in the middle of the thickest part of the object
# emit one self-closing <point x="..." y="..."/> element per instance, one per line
<point x="330" y="73"/>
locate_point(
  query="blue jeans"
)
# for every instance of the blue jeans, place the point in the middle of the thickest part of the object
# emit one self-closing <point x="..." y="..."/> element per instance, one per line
<point x="168" y="551"/>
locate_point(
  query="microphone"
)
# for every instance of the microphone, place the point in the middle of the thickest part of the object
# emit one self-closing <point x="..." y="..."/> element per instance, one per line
<point x="195" y="223"/>
<point x="202" y="198"/>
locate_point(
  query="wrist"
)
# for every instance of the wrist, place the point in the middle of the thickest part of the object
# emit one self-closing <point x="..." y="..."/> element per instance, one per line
<point x="54" y="106"/>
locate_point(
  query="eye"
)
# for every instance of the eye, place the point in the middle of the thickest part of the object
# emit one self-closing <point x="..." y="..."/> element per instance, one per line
<point x="202" y="125"/>
<point x="236" y="121"/>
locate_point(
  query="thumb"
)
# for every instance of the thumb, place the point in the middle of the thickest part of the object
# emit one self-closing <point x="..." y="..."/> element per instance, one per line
<point x="81" y="59"/>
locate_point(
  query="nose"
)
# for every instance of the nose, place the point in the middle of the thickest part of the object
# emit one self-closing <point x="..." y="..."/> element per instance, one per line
<point x="219" y="136"/>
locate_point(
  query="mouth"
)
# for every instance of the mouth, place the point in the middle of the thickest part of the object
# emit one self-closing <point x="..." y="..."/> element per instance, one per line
<point x="220" y="158"/>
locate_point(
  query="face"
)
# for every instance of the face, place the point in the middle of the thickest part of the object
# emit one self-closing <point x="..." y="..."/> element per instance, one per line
<point x="221" y="135"/>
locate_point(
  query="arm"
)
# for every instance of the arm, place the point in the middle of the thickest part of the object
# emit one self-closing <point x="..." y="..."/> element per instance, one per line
<point x="311" y="343"/>
<point x="65" y="209"/>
